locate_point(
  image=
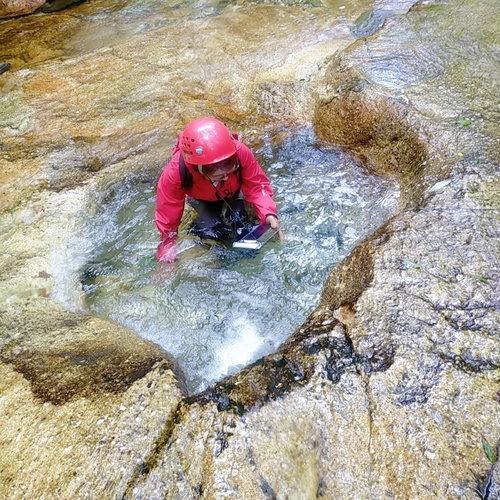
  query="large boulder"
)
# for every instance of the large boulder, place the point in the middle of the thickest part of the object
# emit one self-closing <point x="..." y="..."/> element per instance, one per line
<point x="14" y="8"/>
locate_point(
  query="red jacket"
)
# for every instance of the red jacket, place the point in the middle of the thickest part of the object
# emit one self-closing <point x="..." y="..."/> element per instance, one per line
<point x="170" y="196"/>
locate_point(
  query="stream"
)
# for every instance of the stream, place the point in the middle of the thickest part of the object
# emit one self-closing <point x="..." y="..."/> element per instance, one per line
<point x="221" y="308"/>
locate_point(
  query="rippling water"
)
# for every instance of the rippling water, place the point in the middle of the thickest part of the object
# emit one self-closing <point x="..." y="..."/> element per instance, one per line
<point x="221" y="308"/>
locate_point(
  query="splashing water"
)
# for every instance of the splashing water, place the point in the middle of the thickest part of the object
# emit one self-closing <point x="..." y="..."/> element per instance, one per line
<point x="221" y="308"/>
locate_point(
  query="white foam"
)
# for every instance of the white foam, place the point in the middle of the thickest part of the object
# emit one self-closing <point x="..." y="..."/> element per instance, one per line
<point x="244" y="345"/>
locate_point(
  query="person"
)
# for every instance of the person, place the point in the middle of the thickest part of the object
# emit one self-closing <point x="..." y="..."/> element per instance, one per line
<point x="217" y="174"/>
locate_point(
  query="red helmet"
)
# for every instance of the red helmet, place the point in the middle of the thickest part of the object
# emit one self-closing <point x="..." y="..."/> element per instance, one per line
<point x="205" y="141"/>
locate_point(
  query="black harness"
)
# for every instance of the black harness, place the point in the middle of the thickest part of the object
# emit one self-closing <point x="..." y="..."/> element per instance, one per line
<point x="186" y="175"/>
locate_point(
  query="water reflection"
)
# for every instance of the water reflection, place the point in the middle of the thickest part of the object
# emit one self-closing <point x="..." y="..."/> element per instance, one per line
<point x="220" y="308"/>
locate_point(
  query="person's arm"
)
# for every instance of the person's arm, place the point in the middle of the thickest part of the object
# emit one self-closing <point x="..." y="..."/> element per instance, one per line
<point x="169" y="209"/>
<point x="167" y="249"/>
<point x="256" y="186"/>
<point x="257" y="189"/>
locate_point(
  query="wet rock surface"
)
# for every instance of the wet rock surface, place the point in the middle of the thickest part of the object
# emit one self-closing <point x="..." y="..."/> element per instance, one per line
<point x="13" y="8"/>
<point x="390" y="389"/>
<point x="76" y="356"/>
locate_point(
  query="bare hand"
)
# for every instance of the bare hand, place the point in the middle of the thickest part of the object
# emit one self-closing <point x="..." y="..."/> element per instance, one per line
<point x="275" y="224"/>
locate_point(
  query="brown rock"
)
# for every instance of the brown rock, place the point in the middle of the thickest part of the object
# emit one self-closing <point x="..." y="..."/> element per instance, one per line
<point x="14" y="8"/>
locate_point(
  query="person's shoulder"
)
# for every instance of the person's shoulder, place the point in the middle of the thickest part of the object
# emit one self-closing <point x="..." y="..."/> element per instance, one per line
<point x="241" y="146"/>
<point x="243" y="151"/>
<point x="171" y="170"/>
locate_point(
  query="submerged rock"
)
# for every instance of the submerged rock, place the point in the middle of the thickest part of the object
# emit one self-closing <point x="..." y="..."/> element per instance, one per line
<point x="369" y="22"/>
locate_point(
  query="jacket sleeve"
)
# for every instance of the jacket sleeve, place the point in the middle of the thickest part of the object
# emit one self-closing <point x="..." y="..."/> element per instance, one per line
<point x="256" y="186"/>
<point x="169" y="199"/>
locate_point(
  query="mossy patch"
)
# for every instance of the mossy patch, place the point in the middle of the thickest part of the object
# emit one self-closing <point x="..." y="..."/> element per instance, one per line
<point x="378" y="130"/>
<point x="66" y="356"/>
<point x="81" y="370"/>
<point x="275" y="375"/>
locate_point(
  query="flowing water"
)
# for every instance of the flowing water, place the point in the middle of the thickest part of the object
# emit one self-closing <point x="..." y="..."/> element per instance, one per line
<point x="220" y="308"/>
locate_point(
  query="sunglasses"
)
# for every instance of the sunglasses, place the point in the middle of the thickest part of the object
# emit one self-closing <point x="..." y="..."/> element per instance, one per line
<point x="220" y="169"/>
